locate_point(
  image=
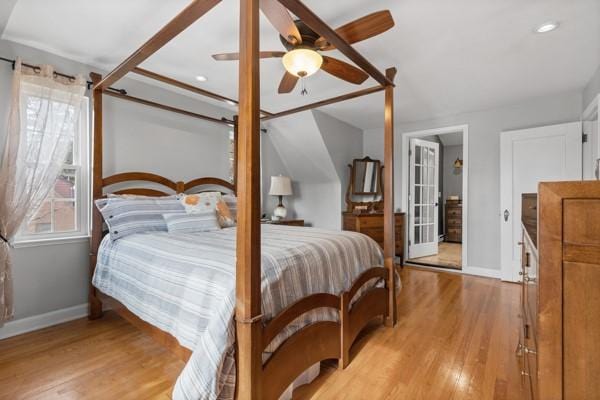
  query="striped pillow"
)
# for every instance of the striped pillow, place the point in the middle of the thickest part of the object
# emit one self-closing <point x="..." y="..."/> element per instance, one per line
<point x="188" y="223"/>
<point x="126" y="216"/>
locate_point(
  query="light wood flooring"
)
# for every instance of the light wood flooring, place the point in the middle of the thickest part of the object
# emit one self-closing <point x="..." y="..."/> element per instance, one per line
<point x="449" y="256"/>
<point x="455" y="340"/>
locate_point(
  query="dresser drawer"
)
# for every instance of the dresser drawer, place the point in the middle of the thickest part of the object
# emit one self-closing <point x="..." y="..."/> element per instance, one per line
<point x="374" y="233"/>
<point x="454" y="223"/>
<point x="368" y="221"/>
<point x="530" y="281"/>
<point x="454" y="234"/>
<point x="454" y="212"/>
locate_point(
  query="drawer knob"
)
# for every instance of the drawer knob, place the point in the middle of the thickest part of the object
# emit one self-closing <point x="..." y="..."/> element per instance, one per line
<point x="523" y="373"/>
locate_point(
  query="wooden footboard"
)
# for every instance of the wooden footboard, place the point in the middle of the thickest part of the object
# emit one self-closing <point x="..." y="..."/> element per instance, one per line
<point x="321" y="340"/>
<point x="311" y="344"/>
<point x="373" y="303"/>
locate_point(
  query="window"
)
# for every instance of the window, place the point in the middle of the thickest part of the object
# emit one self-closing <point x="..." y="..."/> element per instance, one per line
<point x="65" y="211"/>
<point x="231" y="156"/>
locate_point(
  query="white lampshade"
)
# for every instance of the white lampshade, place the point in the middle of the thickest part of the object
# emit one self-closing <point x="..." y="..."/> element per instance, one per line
<point x="302" y="62"/>
<point x="281" y="186"/>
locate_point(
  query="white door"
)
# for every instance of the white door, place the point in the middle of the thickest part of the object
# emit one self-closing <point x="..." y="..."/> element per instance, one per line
<point x="423" y="198"/>
<point x="528" y="157"/>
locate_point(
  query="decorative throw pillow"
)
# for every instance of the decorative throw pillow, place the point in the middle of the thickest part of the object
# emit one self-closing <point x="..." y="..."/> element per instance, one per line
<point x="231" y="201"/>
<point x="125" y="216"/>
<point x="224" y="215"/>
<point x="188" y="223"/>
<point x="201" y="202"/>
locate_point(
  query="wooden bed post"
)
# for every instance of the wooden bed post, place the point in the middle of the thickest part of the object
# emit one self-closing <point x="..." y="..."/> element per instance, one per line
<point x="389" y="243"/>
<point x="95" y="305"/>
<point x="248" y="268"/>
<point x="235" y="151"/>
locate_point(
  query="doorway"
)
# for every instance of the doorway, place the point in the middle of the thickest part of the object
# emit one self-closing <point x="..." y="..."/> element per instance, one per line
<point x="435" y="176"/>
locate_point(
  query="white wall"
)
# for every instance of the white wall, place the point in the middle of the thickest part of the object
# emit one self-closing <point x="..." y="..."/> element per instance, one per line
<point x="54" y="277"/>
<point x="344" y="144"/>
<point x="485" y="128"/>
<point x="592" y="89"/>
<point x="314" y="149"/>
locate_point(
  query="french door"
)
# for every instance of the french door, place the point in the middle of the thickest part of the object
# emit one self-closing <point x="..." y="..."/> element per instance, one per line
<point x="528" y="157"/>
<point x="423" y="198"/>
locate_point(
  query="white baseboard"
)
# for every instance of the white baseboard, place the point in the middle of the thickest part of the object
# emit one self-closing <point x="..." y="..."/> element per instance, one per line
<point x="488" y="273"/>
<point x="29" y="324"/>
<point x="476" y="271"/>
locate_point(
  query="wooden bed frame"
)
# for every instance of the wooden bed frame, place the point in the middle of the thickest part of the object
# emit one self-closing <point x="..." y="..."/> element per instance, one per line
<point x="316" y="342"/>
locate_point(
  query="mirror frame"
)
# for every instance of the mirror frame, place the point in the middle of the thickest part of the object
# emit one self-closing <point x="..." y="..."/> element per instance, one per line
<point x="377" y="174"/>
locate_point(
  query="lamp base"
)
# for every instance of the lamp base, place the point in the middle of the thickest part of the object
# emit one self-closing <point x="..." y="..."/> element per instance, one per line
<point x="279" y="213"/>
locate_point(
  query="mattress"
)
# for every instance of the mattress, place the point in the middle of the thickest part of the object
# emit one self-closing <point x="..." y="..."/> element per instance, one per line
<point x="184" y="284"/>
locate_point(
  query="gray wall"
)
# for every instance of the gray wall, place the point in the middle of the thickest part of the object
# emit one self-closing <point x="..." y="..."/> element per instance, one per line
<point x="485" y="128"/>
<point x="452" y="177"/>
<point x="53" y="277"/>
<point x="592" y="89"/>
<point x="313" y="149"/>
<point x="344" y="144"/>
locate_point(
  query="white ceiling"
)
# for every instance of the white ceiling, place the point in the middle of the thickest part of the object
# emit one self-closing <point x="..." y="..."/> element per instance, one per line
<point x="452" y="56"/>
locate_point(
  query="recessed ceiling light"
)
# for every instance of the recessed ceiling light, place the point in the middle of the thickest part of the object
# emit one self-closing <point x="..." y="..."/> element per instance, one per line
<point x="231" y="103"/>
<point x="547" y="27"/>
<point x="201" y="78"/>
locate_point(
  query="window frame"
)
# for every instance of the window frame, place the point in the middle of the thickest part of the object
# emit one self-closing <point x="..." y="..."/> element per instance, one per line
<point x="82" y="190"/>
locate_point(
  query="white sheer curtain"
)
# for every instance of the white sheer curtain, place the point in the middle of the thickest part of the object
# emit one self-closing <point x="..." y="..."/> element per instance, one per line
<point x="41" y="126"/>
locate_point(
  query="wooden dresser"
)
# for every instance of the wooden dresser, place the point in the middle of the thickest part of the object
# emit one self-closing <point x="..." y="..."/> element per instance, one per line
<point x="372" y="226"/>
<point x="453" y="221"/>
<point x="559" y="347"/>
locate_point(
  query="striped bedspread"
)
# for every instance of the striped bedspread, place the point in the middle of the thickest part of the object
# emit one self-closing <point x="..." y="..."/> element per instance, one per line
<point x="184" y="284"/>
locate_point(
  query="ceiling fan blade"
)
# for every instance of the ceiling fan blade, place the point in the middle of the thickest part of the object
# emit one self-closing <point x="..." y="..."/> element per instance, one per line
<point x="281" y="19"/>
<point x="361" y="29"/>
<point x="343" y="70"/>
<point x="236" y="56"/>
<point x="288" y="82"/>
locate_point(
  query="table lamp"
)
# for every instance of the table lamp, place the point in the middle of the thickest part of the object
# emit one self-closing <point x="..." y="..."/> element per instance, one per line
<point x="280" y="186"/>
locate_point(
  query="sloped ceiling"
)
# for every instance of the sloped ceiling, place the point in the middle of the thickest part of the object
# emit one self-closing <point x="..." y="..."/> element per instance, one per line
<point x="452" y="56"/>
<point x="298" y="140"/>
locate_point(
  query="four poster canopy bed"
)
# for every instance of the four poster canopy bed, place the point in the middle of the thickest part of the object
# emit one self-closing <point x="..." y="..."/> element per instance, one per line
<point x="251" y="310"/>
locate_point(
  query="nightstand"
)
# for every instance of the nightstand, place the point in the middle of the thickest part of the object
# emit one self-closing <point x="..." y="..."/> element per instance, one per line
<point x="289" y="222"/>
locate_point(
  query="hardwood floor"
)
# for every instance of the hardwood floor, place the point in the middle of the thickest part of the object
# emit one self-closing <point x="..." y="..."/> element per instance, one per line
<point x="455" y="340"/>
<point x="449" y="256"/>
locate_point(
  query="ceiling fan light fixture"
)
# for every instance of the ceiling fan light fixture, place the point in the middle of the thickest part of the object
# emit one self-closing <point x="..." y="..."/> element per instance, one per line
<point x="302" y="62"/>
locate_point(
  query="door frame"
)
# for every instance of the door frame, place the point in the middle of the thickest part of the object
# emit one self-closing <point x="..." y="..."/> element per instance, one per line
<point x="464" y="129"/>
<point x="592" y="113"/>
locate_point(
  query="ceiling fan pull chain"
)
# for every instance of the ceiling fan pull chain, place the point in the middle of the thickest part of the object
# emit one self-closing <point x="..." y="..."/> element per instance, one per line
<point x="303" y="92"/>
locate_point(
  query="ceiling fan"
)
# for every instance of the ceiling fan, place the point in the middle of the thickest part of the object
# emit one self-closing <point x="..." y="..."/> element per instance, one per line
<point x="303" y="45"/>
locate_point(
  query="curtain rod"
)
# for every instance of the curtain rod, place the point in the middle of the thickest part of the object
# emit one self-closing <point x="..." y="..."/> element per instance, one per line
<point x="70" y="77"/>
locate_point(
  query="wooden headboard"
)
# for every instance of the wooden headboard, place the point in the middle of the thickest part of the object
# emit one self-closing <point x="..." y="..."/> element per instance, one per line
<point x="126" y="184"/>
